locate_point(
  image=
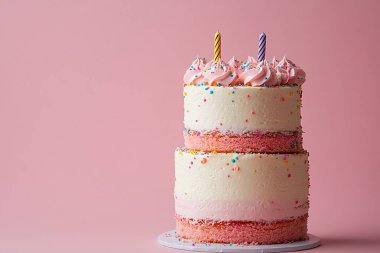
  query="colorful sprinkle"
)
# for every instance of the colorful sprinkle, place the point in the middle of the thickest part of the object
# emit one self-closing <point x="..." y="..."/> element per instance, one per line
<point x="203" y="161"/>
<point x="211" y="92"/>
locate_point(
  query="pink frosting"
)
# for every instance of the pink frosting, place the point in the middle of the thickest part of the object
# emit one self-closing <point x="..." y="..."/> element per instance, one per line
<point x="235" y="67"/>
<point x="219" y="73"/>
<point x="194" y="74"/>
<point x="296" y="75"/>
<point x="250" y="73"/>
<point x="258" y="74"/>
<point x="234" y="64"/>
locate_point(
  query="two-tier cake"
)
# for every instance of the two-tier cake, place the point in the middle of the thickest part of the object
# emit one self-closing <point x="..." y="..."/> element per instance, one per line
<point x="242" y="176"/>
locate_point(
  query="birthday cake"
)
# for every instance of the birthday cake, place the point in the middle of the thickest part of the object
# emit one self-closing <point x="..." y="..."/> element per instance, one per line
<point x="242" y="175"/>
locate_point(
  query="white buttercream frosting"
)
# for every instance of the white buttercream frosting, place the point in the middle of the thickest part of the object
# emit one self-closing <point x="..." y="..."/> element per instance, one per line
<point x="231" y="186"/>
<point x="242" y="109"/>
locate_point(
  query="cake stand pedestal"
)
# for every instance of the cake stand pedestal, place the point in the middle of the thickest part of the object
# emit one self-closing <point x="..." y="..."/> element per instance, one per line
<point x="171" y="240"/>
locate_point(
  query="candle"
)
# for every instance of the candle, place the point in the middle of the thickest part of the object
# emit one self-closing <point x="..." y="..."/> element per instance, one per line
<point x="262" y="45"/>
<point x="217" y="46"/>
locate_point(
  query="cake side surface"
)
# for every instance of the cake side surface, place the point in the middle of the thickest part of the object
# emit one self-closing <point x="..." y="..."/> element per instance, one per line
<point x="241" y="197"/>
<point x="243" y="232"/>
<point x="241" y="187"/>
<point x="242" y="109"/>
<point x="243" y="119"/>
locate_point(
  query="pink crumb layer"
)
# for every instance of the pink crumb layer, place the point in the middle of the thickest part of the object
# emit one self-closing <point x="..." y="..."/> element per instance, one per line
<point x="249" y="142"/>
<point x="243" y="231"/>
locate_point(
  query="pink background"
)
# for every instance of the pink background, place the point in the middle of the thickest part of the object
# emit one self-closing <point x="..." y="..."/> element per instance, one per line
<point x="91" y="112"/>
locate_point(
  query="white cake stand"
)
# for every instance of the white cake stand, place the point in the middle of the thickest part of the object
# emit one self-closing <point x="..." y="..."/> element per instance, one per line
<point x="171" y="240"/>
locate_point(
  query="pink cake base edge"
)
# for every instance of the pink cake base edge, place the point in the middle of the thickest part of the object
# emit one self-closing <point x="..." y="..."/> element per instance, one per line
<point x="258" y="143"/>
<point x="242" y="231"/>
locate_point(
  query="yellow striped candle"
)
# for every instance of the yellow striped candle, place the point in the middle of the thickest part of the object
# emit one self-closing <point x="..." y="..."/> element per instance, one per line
<point x="217" y="47"/>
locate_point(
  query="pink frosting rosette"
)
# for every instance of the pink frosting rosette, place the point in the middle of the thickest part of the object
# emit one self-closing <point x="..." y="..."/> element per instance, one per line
<point x="235" y="67"/>
<point x="247" y="70"/>
<point x="250" y="73"/>
<point x="282" y="75"/>
<point x="233" y="63"/>
<point x="274" y="63"/>
<point x="194" y="74"/>
<point x="258" y="74"/>
<point x="295" y="75"/>
<point x="218" y="73"/>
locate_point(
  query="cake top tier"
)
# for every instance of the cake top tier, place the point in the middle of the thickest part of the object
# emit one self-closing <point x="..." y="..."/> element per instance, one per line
<point x="244" y="73"/>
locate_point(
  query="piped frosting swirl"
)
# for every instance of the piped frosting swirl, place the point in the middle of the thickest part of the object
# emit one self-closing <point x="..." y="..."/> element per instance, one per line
<point x="219" y="73"/>
<point x="194" y="74"/>
<point x="248" y="73"/>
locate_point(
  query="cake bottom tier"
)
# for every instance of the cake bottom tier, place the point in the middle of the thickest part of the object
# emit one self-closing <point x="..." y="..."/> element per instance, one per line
<point x="250" y="232"/>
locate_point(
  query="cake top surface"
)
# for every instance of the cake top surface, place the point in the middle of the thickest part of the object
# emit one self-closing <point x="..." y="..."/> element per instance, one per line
<point x="244" y="73"/>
